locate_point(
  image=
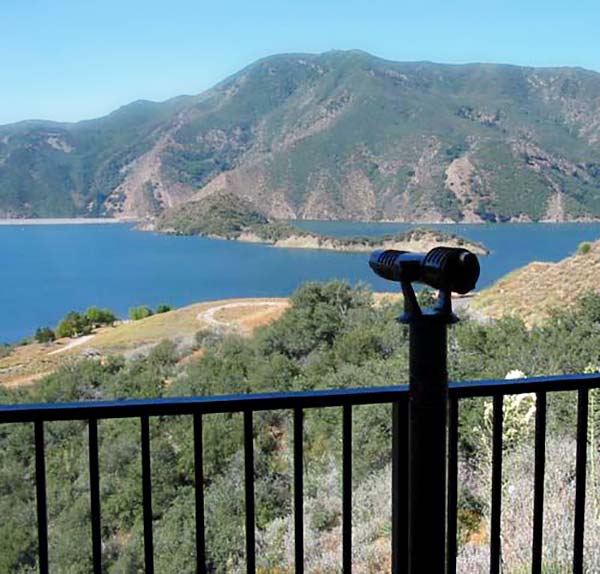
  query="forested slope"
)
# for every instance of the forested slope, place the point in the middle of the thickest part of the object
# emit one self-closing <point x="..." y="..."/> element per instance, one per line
<point x="331" y="337"/>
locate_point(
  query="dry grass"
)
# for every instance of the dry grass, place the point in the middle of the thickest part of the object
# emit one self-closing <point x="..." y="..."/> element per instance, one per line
<point x="29" y="363"/>
<point x="178" y="324"/>
<point x="255" y="314"/>
<point x="535" y="290"/>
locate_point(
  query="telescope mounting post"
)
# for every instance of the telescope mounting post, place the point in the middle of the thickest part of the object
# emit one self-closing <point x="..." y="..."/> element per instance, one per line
<point x="427" y="436"/>
<point x="419" y="543"/>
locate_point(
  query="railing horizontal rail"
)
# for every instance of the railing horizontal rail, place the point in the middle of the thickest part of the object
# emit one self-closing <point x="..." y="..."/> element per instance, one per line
<point x="200" y="404"/>
<point x="553" y="383"/>
<point x="275" y="401"/>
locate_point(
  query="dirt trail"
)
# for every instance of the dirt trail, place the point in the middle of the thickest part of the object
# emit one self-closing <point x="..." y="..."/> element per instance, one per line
<point x="73" y="344"/>
<point x="209" y="318"/>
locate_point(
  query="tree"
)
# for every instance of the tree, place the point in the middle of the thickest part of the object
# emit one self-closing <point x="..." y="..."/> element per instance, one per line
<point x="44" y="335"/>
<point x="73" y="325"/>
<point x="141" y="312"/>
<point x="315" y="318"/>
<point x="96" y="317"/>
<point x="162" y="308"/>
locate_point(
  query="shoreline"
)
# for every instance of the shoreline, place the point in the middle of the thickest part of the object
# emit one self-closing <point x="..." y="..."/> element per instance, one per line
<point x="65" y="221"/>
<point x="449" y="223"/>
<point x="356" y="245"/>
<point x="7" y="221"/>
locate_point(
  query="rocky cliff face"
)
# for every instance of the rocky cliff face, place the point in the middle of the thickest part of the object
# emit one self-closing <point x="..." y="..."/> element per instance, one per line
<point x="338" y="135"/>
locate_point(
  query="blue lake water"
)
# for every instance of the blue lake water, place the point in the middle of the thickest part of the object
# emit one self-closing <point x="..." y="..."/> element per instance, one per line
<point x="48" y="270"/>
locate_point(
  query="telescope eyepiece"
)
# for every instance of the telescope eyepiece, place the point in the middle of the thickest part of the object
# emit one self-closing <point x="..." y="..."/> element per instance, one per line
<point x="444" y="268"/>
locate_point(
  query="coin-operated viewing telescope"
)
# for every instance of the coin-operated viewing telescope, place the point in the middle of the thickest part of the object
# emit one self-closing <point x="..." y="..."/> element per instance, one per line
<point x="447" y="269"/>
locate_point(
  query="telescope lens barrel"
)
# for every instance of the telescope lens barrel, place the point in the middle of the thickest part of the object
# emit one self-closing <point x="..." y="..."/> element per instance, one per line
<point x="444" y="268"/>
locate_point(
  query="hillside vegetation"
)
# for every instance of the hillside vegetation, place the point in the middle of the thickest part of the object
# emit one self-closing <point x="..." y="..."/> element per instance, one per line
<point x="227" y="217"/>
<point x="535" y="292"/>
<point x="331" y="336"/>
<point x="331" y="136"/>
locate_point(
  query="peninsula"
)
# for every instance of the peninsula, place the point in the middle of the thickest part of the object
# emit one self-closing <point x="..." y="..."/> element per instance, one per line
<point x="224" y="216"/>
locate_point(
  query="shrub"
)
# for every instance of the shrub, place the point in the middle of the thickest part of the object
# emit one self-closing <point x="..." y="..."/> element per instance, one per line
<point x="141" y="312"/>
<point x="164" y="354"/>
<point x="207" y="338"/>
<point x="584" y="248"/>
<point x="426" y="297"/>
<point x="97" y="317"/>
<point x="44" y="335"/>
<point x="162" y="308"/>
<point x="73" y="325"/>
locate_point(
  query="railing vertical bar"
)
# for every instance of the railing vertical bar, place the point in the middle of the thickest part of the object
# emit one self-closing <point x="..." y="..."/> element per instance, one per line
<point x="399" y="487"/>
<point x="42" y="507"/>
<point x="249" y="487"/>
<point x="347" y="490"/>
<point x="199" y="492"/>
<point x="495" y="535"/>
<point x="95" y="496"/>
<point x="147" y="495"/>
<point x="580" y="480"/>
<point x="298" y="491"/>
<point x="538" y="485"/>
<point x="452" y="484"/>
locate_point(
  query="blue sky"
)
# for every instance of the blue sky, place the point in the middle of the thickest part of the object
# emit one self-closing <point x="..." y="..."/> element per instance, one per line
<point x="68" y="60"/>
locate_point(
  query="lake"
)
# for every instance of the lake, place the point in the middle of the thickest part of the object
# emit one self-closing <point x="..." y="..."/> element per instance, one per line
<point x="48" y="270"/>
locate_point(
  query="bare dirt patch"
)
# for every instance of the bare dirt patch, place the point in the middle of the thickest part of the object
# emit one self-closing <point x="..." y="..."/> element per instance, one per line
<point x="72" y="344"/>
<point x="460" y="176"/>
<point x="243" y="315"/>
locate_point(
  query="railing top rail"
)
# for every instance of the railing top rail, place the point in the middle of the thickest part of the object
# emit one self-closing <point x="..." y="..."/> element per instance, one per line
<point x="280" y="401"/>
<point x="200" y="404"/>
<point x="552" y="383"/>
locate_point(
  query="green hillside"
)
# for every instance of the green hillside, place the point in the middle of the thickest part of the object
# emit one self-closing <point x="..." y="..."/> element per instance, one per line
<point x="331" y="337"/>
<point x="335" y="135"/>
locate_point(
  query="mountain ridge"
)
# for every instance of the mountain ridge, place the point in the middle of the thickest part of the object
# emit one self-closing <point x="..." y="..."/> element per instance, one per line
<point x="338" y="135"/>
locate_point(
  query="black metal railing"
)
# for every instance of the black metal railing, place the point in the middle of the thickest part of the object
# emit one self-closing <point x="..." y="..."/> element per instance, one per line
<point x="297" y="403"/>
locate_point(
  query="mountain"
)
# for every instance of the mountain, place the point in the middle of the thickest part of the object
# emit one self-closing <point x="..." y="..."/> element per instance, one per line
<point x="337" y="135"/>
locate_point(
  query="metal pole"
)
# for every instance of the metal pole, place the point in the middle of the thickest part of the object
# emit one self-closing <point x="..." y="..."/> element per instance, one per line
<point x="428" y="397"/>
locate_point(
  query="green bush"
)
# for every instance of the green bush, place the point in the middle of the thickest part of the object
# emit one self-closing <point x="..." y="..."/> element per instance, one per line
<point x="73" y="325"/>
<point x="141" y="312"/>
<point x="76" y="324"/>
<point x="44" y="335"/>
<point x="97" y="317"/>
<point x="207" y="338"/>
<point x="584" y="248"/>
<point x="162" y="308"/>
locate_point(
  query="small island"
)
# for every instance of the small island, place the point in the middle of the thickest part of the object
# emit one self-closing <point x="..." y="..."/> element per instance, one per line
<point x="229" y="217"/>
